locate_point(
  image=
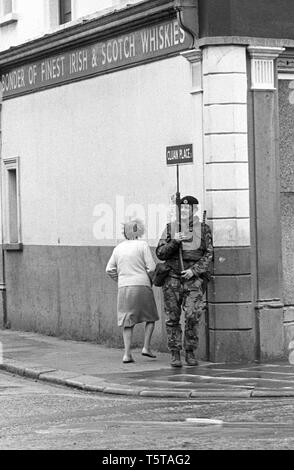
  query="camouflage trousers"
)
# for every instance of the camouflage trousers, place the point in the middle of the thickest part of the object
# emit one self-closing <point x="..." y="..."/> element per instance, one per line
<point x="184" y="296"/>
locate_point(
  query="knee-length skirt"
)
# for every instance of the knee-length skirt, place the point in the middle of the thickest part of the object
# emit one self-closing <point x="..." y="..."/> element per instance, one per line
<point x="136" y="304"/>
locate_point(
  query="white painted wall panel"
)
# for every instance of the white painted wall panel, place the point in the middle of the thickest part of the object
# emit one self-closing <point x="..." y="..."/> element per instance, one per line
<point x="227" y="176"/>
<point x="231" y="232"/>
<point x="228" y="88"/>
<point x="225" y="118"/>
<point x="226" y="144"/>
<point x="228" y="204"/>
<point x="226" y="148"/>
<point x="82" y="8"/>
<point x="224" y="59"/>
<point x="99" y="141"/>
<point x="86" y="7"/>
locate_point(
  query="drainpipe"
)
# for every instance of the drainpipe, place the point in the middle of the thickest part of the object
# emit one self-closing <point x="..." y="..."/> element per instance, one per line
<point x="188" y="18"/>
<point x="3" y="298"/>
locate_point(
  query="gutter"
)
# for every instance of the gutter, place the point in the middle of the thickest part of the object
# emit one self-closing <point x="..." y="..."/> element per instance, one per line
<point x="188" y="18"/>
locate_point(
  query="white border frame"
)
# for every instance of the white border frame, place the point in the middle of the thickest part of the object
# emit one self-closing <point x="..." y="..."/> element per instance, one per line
<point x="12" y="163"/>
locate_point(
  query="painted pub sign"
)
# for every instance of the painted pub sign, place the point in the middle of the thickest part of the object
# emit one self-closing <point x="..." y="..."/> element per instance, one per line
<point x="115" y="53"/>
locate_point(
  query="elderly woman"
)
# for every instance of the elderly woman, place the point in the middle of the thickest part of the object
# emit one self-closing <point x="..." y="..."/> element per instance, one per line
<point x="130" y="264"/>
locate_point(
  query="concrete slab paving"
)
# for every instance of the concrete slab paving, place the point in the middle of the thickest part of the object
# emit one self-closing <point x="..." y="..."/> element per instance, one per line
<point x="99" y="369"/>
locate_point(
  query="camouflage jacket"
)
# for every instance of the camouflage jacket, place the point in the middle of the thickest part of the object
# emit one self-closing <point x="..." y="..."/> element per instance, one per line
<point x="198" y="260"/>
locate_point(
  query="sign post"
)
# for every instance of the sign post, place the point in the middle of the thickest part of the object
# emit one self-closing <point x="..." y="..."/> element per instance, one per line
<point x="179" y="155"/>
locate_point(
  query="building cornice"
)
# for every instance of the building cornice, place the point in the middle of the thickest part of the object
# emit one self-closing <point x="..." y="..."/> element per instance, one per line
<point x="243" y="41"/>
<point x="265" y="52"/>
<point x="105" y="26"/>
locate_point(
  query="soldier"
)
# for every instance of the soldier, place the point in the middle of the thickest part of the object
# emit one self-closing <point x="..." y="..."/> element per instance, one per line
<point x="183" y="289"/>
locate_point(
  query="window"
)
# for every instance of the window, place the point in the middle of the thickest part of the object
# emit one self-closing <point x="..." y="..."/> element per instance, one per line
<point x="7" y="12"/>
<point x="11" y="197"/>
<point x="65" y="11"/>
<point x="6" y="7"/>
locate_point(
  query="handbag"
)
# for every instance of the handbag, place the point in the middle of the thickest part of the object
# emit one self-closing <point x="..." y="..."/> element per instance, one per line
<point x="160" y="273"/>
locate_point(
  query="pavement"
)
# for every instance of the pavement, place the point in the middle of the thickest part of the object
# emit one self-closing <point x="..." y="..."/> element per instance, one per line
<point x="96" y="368"/>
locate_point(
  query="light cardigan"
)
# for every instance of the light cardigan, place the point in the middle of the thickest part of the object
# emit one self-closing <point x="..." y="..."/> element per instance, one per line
<point x="130" y="262"/>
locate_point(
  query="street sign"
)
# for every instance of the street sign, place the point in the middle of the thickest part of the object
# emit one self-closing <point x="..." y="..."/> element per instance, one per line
<point x="179" y="154"/>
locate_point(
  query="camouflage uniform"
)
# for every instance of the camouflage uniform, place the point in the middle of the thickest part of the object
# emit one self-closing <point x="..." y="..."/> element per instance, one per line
<point x="186" y="295"/>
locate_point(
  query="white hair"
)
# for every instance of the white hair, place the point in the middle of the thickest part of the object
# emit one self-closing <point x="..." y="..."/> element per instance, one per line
<point x="133" y="229"/>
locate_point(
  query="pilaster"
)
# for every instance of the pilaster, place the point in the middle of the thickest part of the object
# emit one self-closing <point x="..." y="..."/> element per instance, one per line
<point x="194" y="56"/>
<point x="265" y="201"/>
<point x="231" y="323"/>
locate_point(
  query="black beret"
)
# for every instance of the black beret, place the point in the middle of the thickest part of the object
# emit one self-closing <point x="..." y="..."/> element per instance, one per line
<point x="189" y="200"/>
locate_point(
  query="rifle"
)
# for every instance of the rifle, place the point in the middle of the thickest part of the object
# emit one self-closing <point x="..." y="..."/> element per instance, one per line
<point x="178" y="221"/>
<point x="179" y="225"/>
<point x="205" y="276"/>
<point x="204" y="217"/>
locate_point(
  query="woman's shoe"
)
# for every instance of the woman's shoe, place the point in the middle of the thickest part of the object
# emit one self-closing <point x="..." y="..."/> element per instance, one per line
<point x="148" y="354"/>
<point x="128" y="361"/>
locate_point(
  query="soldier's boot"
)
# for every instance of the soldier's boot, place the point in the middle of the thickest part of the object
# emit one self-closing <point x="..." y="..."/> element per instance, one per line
<point x="191" y="359"/>
<point x="176" y="359"/>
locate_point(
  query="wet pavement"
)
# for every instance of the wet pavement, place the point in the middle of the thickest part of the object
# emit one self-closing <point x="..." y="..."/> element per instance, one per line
<point x="37" y="415"/>
<point x="97" y="368"/>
